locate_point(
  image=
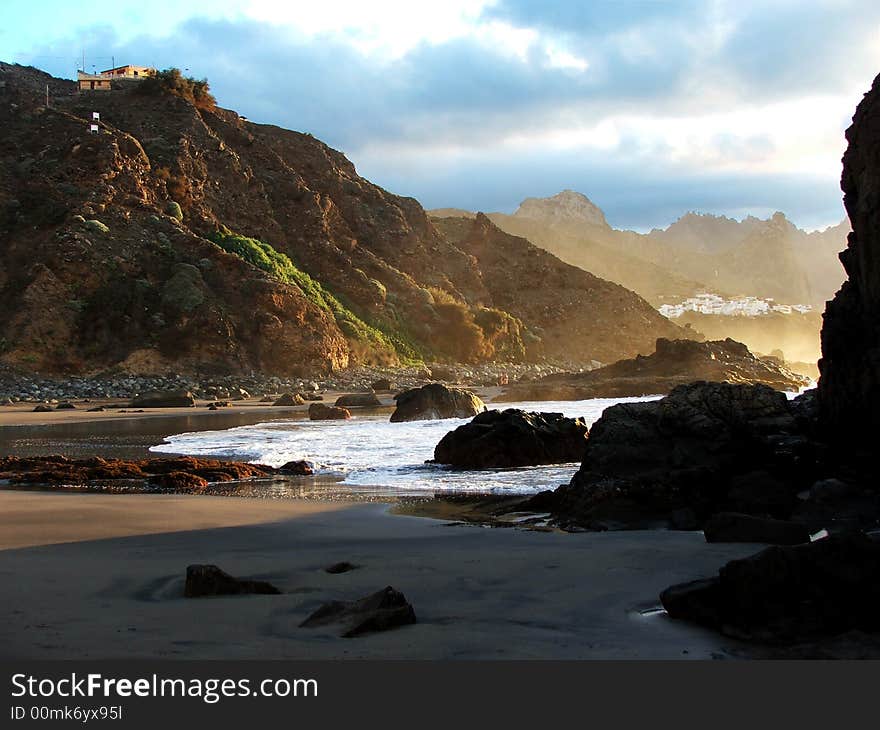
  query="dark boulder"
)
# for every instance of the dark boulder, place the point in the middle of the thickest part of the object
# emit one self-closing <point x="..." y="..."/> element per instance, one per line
<point x="65" y="406"/>
<point x="320" y="412"/>
<point x="289" y="399"/>
<point x="164" y="399"/>
<point x="381" y="611"/>
<point x="209" y="580"/>
<point x="737" y="527"/>
<point x="510" y="438"/>
<point x="382" y="384"/>
<point x="435" y="401"/>
<point x="43" y="408"/>
<point x="298" y="468"/>
<point x="784" y="594"/>
<point x="342" y="567"/>
<point x="358" y="400"/>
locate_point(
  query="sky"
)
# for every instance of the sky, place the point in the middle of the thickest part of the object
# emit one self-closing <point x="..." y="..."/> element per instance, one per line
<point x="650" y="108"/>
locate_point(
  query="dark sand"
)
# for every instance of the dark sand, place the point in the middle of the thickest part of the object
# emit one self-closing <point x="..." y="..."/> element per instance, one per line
<point x="477" y="592"/>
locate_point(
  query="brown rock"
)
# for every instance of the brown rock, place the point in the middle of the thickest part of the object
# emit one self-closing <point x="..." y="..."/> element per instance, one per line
<point x="320" y="412"/>
<point x="289" y="399"/>
<point x="299" y="468"/>
<point x="435" y="401"/>
<point x="358" y="400"/>
<point x="164" y="399"/>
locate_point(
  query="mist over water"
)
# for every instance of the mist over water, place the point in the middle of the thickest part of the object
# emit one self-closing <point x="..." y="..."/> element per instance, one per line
<point x="371" y="454"/>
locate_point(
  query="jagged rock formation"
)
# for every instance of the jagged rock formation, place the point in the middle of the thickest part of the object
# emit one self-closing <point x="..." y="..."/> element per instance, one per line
<point x="567" y="206"/>
<point x="510" y="438"/>
<point x="673" y="363"/>
<point x="849" y="386"/>
<point x="182" y="236"/>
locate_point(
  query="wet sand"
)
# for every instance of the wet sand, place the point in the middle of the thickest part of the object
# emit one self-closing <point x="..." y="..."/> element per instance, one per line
<point x="111" y="584"/>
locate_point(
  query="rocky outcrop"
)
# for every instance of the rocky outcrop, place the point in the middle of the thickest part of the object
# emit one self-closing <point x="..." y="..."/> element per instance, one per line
<point x="435" y="401"/>
<point x="511" y="438"/>
<point x="784" y="594"/>
<point x="164" y="399"/>
<point x="706" y="447"/>
<point x="209" y="580"/>
<point x="673" y="363"/>
<point x="849" y="386"/>
<point x="320" y="412"/>
<point x="62" y="470"/>
<point x="381" y="611"/>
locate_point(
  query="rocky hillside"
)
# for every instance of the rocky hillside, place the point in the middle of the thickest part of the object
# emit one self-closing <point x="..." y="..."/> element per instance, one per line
<point x="548" y="295"/>
<point x="182" y="236"/>
<point x="849" y="386"/>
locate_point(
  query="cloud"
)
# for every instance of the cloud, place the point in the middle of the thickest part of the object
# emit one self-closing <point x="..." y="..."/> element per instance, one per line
<point x="649" y="107"/>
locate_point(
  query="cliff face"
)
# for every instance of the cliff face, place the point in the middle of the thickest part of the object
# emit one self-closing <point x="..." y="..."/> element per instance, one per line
<point x="849" y="386"/>
<point x="184" y="236"/>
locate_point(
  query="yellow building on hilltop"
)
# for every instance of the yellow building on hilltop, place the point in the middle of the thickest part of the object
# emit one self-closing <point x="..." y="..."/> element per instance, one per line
<point x="101" y="81"/>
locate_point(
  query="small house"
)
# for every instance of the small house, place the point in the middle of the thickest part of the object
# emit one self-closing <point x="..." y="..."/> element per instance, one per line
<point x="92" y="82"/>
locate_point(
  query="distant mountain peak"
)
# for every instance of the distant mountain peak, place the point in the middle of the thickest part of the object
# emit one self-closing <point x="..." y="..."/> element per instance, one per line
<point x="567" y="206"/>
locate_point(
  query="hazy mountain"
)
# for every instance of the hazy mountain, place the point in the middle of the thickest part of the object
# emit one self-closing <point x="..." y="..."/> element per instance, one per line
<point x="697" y="253"/>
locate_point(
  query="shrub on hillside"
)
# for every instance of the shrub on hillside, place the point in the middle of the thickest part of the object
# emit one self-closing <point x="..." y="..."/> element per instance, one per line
<point x="172" y="81"/>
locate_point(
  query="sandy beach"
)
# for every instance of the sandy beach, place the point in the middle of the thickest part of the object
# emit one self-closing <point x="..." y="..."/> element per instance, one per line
<point x="96" y="576"/>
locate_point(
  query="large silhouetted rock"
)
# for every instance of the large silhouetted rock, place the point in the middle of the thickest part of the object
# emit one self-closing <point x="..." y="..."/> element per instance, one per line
<point x="849" y="386"/>
<point x="499" y="439"/>
<point x="706" y="447"/>
<point x="788" y="593"/>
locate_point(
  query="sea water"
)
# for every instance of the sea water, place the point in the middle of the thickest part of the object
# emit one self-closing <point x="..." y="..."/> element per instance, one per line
<point x="370" y="454"/>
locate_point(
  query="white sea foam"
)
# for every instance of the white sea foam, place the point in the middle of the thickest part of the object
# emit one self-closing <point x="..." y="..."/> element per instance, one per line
<point x="370" y="453"/>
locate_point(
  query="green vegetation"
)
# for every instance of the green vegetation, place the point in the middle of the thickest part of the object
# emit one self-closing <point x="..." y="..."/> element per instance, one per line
<point x="96" y="226"/>
<point x="280" y="266"/>
<point x="172" y="81"/>
<point x="173" y="209"/>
